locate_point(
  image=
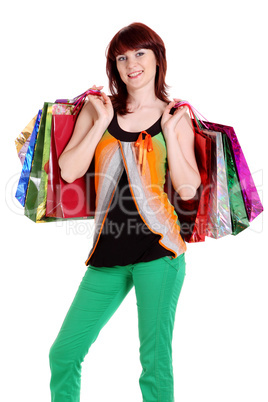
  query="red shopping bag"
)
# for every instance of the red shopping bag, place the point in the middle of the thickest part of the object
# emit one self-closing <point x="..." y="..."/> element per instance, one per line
<point x="68" y="200"/>
<point x="192" y="213"/>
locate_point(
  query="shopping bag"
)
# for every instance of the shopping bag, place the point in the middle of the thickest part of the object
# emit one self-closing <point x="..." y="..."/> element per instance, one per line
<point x="27" y="162"/>
<point x="192" y="214"/>
<point x="68" y="200"/>
<point x="219" y="221"/>
<point x="33" y="183"/>
<point x="53" y="207"/>
<point x="32" y="200"/>
<point x="237" y="206"/>
<point x="23" y="139"/>
<point x="42" y="191"/>
<point x="251" y="198"/>
<point x="244" y="202"/>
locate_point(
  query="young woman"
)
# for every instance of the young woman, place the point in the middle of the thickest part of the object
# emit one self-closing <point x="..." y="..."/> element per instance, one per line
<point x="133" y="136"/>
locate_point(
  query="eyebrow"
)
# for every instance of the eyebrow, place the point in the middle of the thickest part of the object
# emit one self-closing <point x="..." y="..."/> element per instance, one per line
<point x="134" y="50"/>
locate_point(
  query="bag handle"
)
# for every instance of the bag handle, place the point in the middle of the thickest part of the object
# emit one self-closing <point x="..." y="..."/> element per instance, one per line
<point x="193" y="114"/>
<point x="77" y="101"/>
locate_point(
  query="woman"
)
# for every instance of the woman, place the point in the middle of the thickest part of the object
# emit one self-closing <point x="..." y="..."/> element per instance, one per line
<point x="137" y="240"/>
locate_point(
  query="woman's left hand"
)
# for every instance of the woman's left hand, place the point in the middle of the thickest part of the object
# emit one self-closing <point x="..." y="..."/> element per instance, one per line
<point x="170" y="121"/>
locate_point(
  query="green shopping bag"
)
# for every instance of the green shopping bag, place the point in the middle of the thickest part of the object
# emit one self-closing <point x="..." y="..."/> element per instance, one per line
<point x="42" y="194"/>
<point x="237" y="206"/>
<point x="35" y="203"/>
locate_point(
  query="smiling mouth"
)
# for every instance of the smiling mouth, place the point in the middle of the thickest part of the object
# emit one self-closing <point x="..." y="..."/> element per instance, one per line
<point x="136" y="74"/>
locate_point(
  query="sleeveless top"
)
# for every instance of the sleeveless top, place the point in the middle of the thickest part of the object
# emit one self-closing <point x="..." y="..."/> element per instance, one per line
<point x="125" y="238"/>
<point x="134" y="220"/>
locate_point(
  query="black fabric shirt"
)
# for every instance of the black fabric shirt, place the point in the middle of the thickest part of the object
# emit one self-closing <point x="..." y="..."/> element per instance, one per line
<point x="125" y="238"/>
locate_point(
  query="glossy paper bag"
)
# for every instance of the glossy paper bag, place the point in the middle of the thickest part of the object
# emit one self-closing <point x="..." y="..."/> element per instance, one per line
<point x="32" y="201"/>
<point x="244" y="201"/>
<point x="42" y="193"/>
<point x="192" y="214"/>
<point x="237" y="206"/>
<point x="23" y="140"/>
<point x="27" y="163"/>
<point x="219" y="221"/>
<point x="67" y="200"/>
<point x="251" y="197"/>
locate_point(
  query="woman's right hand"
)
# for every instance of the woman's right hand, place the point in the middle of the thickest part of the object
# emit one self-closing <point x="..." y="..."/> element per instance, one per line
<point x="103" y="107"/>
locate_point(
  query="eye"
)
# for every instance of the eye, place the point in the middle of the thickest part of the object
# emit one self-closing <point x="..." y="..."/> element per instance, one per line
<point x="121" y="58"/>
<point x="139" y="54"/>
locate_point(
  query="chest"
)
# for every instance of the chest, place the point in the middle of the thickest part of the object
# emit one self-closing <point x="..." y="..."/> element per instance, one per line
<point x="138" y="121"/>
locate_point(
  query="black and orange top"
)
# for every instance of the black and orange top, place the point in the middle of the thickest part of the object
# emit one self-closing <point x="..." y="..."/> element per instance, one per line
<point x="134" y="218"/>
<point x="125" y="238"/>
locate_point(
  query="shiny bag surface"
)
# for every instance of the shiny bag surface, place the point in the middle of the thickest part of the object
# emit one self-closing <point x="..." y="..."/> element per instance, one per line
<point x="35" y="145"/>
<point x="243" y="199"/>
<point x="219" y="221"/>
<point x="192" y="214"/>
<point x="251" y="197"/>
<point x="42" y="193"/>
<point x="68" y="200"/>
<point x="33" y="198"/>
<point x="27" y="161"/>
<point x="23" y="139"/>
<point x="239" y="216"/>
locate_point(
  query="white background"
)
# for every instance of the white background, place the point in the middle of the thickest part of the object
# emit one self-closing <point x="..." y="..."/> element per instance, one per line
<point x="217" y="60"/>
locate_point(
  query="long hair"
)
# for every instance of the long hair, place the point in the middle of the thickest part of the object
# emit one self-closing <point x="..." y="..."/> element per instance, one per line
<point x="132" y="37"/>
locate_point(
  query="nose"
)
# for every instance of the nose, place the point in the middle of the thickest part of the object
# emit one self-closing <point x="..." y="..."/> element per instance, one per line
<point x="131" y="62"/>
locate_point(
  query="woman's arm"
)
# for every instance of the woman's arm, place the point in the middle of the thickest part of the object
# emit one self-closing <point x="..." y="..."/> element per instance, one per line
<point x="179" y="136"/>
<point x="91" y="123"/>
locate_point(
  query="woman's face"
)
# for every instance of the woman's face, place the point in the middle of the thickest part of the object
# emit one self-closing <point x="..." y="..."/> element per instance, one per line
<point x="137" y="68"/>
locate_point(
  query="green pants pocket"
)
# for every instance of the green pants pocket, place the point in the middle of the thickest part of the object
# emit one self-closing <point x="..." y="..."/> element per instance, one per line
<point x="176" y="263"/>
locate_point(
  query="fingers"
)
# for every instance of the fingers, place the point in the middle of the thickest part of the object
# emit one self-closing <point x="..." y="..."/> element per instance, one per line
<point x="101" y="102"/>
<point x="169" y="107"/>
<point x="103" y="97"/>
<point x="98" y="88"/>
<point x="93" y="96"/>
<point x="180" y="111"/>
<point x="106" y="98"/>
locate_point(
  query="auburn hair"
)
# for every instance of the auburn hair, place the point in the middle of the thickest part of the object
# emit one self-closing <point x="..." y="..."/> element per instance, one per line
<point x="133" y="37"/>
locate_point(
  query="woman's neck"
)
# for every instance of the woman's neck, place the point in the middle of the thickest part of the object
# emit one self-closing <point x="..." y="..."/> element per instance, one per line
<point x="141" y="98"/>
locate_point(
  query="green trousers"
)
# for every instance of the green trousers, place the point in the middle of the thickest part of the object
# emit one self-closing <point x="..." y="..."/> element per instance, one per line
<point x="157" y="286"/>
